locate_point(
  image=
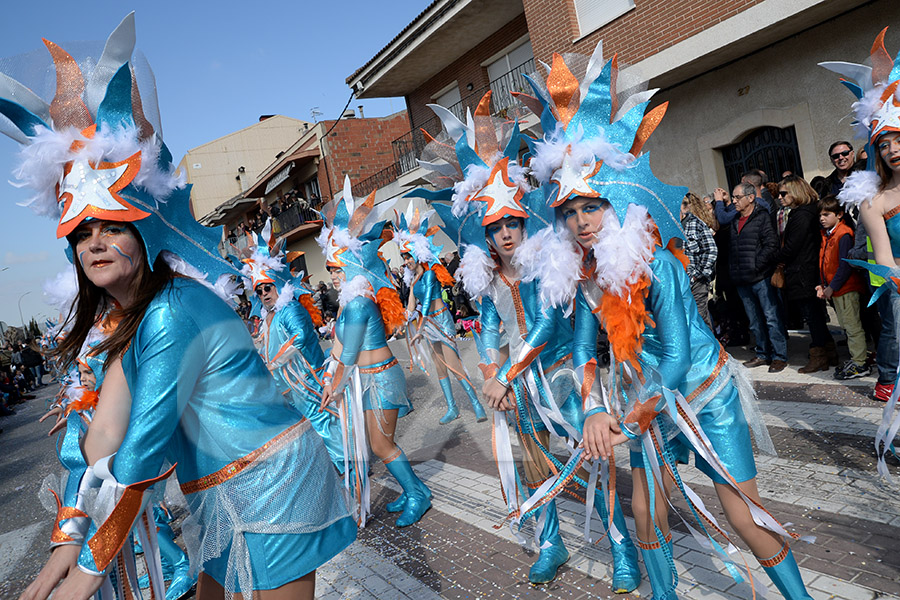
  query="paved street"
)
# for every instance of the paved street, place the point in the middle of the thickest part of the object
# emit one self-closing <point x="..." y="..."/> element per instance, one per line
<point x="823" y="482"/>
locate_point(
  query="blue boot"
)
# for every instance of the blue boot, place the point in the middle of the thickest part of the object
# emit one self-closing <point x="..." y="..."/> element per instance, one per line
<point x="658" y="570"/>
<point x="626" y="572"/>
<point x="452" y="411"/>
<point x="555" y="555"/>
<point x="397" y="505"/>
<point x="782" y="569"/>
<point x="473" y="398"/>
<point x="418" y="496"/>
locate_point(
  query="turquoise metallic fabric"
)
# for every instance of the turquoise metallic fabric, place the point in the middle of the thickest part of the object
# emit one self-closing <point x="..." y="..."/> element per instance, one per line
<point x="202" y="398"/>
<point x="292" y="321"/>
<point x="426" y="290"/>
<point x="359" y="328"/>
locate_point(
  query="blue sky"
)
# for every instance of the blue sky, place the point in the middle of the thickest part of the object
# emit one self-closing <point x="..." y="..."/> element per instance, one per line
<point x="218" y="66"/>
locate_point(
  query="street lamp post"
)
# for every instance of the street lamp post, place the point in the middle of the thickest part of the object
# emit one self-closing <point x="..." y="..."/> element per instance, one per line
<point x="21" y="318"/>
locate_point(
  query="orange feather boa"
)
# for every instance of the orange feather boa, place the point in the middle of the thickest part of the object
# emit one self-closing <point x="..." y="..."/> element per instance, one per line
<point x="392" y="313"/>
<point x="314" y="314"/>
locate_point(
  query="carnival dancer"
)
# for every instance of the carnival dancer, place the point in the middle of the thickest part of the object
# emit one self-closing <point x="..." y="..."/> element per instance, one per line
<point x="491" y="213"/>
<point x="182" y="381"/>
<point x="673" y="388"/>
<point x="361" y="361"/>
<point x="433" y="332"/>
<point x="876" y="191"/>
<point x="290" y="340"/>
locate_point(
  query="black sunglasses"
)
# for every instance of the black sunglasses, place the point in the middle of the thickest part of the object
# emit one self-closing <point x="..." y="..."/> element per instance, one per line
<point x="783" y="194"/>
<point x="264" y="288"/>
<point x="843" y="154"/>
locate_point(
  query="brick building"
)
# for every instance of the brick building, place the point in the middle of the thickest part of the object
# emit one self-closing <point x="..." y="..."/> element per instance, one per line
<point x="308" y="171"/>
<point x="740" y="76"/>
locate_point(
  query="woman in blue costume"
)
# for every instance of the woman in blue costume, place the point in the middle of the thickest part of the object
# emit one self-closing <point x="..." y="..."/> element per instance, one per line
<point x="290" y="342"/>
<point x="434" y="327"/>
<point x="183" y="382"/>
<point x="361" y="361"/>
<point x="673" y="389"/>
<point x="525" y="350"/>
<point x="876" y="191"/>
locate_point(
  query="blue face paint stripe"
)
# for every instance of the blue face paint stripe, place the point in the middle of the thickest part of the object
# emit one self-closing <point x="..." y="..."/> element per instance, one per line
<point x="116" y="248"/>
<point x="81" y="257"/>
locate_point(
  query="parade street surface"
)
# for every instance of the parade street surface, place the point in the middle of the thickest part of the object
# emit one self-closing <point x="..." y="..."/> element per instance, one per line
<point x="823" y="482"/>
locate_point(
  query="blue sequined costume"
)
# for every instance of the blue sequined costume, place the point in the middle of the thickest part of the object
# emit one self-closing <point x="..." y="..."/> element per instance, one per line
<point x="258" y="483"/>
<point x="299" y="374"/>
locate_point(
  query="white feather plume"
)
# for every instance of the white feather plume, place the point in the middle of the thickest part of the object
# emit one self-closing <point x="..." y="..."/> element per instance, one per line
<point x="41" y="163"/>
<point x="185" y="269"/>
<point x="418" y="244"/>
<point x="865" y="108"/>
<point x="859" y="187"/>
<point x="61" y="292"/>
<point x="342" y="239"/>
<point x="476" y="177"/>
<point x="408" y="276"/>
<point x="285" y="296"/>
<point x="356" y="287"/>
<point x="553" y="260"/>
<point x="476" y="269"/>
<point x="550" y="152"/>
<point x="623" y="252"/>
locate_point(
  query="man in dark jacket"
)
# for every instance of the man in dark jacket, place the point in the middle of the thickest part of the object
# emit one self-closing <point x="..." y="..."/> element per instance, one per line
<point x="754" y="245"/>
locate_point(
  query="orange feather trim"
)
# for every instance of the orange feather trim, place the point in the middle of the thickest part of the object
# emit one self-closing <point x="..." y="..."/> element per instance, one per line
<point x="624" y="318"/>
<point x="443" y="275"/>
<point x="88" y="401"/>
<point x="678" y="253"/>
<point x="314" y="314"/>
<point x="392" y="313"/>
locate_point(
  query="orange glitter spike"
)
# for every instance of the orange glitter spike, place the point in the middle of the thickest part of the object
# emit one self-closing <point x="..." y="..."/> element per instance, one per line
<point x="484" y="106"/>
<point x="563" y="88"/>
<point x="486" y="143"/>
<point x="613" y="92"/>
<point x="68" y="109"/>
<point x="881" y="60"/>
<point x="648" y="125"/>
<point x="360" y="214"/>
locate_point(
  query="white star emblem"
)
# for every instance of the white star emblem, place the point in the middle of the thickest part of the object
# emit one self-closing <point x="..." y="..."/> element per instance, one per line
<point x="332" y="254"/>
<point x="888" y="116"/>
<point x="258" y="273"/>
<point x="572" y="180"/>
<point x="501" y="194"/>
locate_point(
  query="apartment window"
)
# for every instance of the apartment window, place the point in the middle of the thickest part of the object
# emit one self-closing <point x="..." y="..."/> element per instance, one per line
<point x="506" y="74"/>
<point x="450" y="98"/>
<point x="594" y="14"/>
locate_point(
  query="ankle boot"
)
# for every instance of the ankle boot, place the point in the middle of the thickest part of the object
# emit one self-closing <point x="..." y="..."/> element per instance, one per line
<point x="418" y="496"/>
<point x="818" y="361"/>
<point x="473" y="398"/>
<point x="397" y="505"/>
<point x="553" y="556"/>
<point x="626" y="573"/>
<point x="452" y="411"/>
<point x="783" y="571"/>
<point x="659" y="571"/>
<point x="831" y="353"/>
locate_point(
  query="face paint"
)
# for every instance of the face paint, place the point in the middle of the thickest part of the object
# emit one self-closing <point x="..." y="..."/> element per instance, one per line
<point x="119" y="250"/>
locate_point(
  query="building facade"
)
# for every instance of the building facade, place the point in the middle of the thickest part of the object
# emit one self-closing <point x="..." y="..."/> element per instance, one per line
<point x="740" y="76"/>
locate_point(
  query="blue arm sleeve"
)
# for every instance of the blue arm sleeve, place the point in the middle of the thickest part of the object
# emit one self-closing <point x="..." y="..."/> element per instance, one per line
<point x="584" y="346"/>
<point x="540" y="333"/>
<point x="725" y="214"/>
<point x="353" y="319"/>
<point x="431" y="289"/>
<point x="166" y="358"/>
<point x="296" y="322"/>
<point x="666" y="303"/>
<point x="490" y="331"/>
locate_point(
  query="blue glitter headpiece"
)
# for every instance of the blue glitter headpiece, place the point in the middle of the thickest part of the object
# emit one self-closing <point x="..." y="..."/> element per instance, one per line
<point x="591" y="141"/>
<point x="353" y="233"/>
<point x="95" y="151"/>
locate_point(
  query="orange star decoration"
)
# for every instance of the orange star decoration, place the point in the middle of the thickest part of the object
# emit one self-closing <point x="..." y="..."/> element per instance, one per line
<point x="89" y="190"/>
<point x="503" y="197"/>
<point x="643" y="413"/>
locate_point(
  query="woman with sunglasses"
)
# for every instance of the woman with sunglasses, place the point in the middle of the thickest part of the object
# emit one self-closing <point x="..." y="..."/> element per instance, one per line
<point x="798" y="260"/>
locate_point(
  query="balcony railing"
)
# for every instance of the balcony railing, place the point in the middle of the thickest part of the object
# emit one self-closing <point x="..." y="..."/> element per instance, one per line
<point x="293" y="217"/>
<point x="408" y="147"/>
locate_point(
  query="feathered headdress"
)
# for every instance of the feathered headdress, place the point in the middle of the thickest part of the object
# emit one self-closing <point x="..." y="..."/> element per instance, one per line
<point x="263" y="262"/>
<point x="876" y="111"/>
<point x="482" y="182"/>
<point x="353" y="233"/>
<point x="95" y="151"/>
<point x="416" y="238"/>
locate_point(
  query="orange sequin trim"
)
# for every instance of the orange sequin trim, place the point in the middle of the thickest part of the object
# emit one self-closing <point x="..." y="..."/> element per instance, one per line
<point x="771" y="562"/>
<point x="58" y="536"/>
<point x="235" y="467"/>
<point x="517" y="301"/>
<point x="891" y="213"/>
<point x="379" y="368"/>
<point x="655" y="545"/>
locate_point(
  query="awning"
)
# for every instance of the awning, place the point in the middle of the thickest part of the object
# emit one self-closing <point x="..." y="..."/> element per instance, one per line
<point x="280" y="171"/>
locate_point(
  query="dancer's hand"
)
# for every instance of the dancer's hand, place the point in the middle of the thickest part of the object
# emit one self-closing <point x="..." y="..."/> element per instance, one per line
<point x="415" y="339"/>
<point x="327" y="397"/>
<point x="601" y="433"/>
<point x="509" y="401"/>
<point x="78" y="586"/>
<point x="61" y="562"/>
<point x="495" y="393"/>
<point x="60" y="422"/>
